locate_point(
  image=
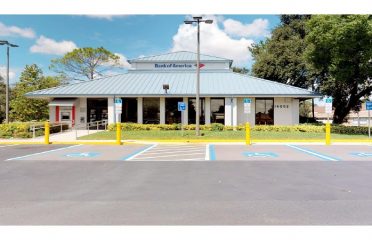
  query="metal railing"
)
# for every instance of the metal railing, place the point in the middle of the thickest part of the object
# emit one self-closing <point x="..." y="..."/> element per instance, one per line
<point x="41" y="126"/>
<point x="88" y="126"/>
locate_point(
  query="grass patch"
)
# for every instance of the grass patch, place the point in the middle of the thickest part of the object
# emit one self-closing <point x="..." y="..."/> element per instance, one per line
<point x="218" y="135"/>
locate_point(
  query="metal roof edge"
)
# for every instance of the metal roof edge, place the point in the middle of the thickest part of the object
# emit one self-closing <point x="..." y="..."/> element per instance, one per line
<point x="156" y="55"/>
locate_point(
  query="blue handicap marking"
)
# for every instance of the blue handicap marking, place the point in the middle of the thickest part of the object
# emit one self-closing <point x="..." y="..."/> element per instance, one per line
<point x="83" y="154"/>
<point x="260" y="154"/>
<point x="361" y="154"/>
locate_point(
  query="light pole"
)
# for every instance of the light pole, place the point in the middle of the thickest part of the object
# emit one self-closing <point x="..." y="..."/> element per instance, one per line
<point x="198" y="20"/>
<point x="8" y="44"/>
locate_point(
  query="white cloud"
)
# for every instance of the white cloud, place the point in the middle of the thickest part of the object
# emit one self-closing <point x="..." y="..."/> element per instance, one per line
<point x="259" y="27"/>
<point x="105" y="17"/>
<point x="50" y="46"/>
<point x="12" y="73"/>
<point x="123" y="61"/>
<point x="214" y="41"/>
<point x="16" y="31"/>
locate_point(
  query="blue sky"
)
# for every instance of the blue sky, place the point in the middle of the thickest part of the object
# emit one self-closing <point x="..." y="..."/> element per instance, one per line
<point x="44" y="37"/>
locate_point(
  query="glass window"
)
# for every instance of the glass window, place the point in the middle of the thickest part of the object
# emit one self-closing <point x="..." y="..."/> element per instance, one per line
<point x="192" y="113"/>
<point x="97" y="109"/>
<point x="218" y="110"/>
<point x="265" y="111"/>
<point x="151" y="110"/>
<point x="129" y="110"/>
<point x="172" y="115"/>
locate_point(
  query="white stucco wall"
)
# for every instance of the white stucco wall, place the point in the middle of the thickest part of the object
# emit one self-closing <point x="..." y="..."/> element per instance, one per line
<point x="285" y="111"/>
<point x="231" y="108"/>
<point x="52" y="114"/>
<point x="295" y="111"/>
<point x="111" y="110"/>
<point x="207" y="110"/>
<point x="81" y="111"/>
<point x="243" y="117"/>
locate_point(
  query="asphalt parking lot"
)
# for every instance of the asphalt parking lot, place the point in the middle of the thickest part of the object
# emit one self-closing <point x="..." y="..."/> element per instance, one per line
<point x="202" y="184"/>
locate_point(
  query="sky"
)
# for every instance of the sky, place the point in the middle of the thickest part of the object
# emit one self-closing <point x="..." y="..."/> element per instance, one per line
<point x="45" y="37"/>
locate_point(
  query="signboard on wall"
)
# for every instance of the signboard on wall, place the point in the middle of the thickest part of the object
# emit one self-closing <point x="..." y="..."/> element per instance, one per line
<point x="328" y="105"/>
<point x="118" y="105"/>
<point x="247" y="105"/>
<point x="181" y="106"/>
<point x="368" y="105"/>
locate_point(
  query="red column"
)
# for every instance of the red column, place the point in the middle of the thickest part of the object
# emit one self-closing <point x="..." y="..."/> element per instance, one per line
<point x="73" y="115"/>
<point x="57" y="113"/>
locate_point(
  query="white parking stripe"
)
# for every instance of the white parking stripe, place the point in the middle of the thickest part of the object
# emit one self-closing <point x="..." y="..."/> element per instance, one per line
<point x="139" y="153"/>
<point x="167" y="150"/>
<point x="169" y="160"/>
<point x="34" y="154"/>
<point x="171" y="155"/>
<point x="179" y="152"/>
<point x="207" y="152"/>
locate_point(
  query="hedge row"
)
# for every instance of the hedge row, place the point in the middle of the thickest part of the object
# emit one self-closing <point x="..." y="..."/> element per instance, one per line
<point x="22" y="130"/>
<point x="313" y="128"/>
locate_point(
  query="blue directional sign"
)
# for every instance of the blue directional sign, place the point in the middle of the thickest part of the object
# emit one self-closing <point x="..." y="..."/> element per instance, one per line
<point x="368" y="105"/>
<point x="247" y="100"/>
<point x="83" y="154"/>
<point x="181" y="106"/>
<point x="361" y="154"/>
<point x="260" y="154"/>
<point x="118" y="101"/>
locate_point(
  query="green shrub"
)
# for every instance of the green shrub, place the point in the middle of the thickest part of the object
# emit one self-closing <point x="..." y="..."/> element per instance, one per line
<point x="217" y="127"/>
<point x="310" y="128"/>
<point x="22" y="129"/>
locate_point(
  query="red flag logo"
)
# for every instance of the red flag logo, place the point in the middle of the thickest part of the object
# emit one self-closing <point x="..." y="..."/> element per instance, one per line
<point x="200" y="65"/>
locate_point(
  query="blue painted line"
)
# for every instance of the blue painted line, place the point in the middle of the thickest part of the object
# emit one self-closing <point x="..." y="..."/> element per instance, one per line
<point x="131" y="155"/>
<point x="314" y="153"/>
<point x="83" y="154"/>
<point x="212" y="152"/>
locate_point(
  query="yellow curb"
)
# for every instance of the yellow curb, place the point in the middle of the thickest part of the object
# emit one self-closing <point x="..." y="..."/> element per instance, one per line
<point x="288" y="140"/>
<point x="352" y="140"/>
<point x="19" y="143"/>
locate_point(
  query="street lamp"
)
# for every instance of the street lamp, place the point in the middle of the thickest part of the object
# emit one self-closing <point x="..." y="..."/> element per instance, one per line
<point x="9" y="45"/>
<point x="198" y="20"/>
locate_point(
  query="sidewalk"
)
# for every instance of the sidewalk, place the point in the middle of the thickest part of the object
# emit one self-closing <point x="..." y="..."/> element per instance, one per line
<point x="66" y="136"/>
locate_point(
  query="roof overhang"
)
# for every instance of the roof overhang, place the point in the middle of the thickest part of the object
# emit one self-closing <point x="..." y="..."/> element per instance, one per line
<point x="62" y="102"/>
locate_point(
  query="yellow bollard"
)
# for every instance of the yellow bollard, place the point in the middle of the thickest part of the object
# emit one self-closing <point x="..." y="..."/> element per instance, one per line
<point x="247" y="134"/>
<point x="118" y="134"/>
<point x="46" y="133"/>
<point x="328" y="134"/>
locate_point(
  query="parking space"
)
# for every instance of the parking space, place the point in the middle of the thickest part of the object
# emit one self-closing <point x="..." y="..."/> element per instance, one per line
<point x="345" y="152"/>
<point x="187" y="152"/>
<point x="73" y="152"/>
<point x="174" y="152"/>
<point x="259" y="153"/>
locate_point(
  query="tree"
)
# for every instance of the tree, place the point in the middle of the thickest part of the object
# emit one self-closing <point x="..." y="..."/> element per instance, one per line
<point x="241" y="70"/>
<point x="85" y="63"/>
<point x="26" y="109"/>
<point x="340" y="50"/>
<point x="280" y="58"/>
<point x="2" y="99"/>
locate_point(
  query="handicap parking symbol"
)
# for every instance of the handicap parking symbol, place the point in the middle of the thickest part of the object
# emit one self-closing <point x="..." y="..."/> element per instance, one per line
<point x="83" y="154"/>
<point x="260" y="154"/>
<point x="361" y="154"/>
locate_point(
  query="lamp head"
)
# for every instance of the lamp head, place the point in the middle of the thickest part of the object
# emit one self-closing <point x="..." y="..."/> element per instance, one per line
<point x="209" y="21"/>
